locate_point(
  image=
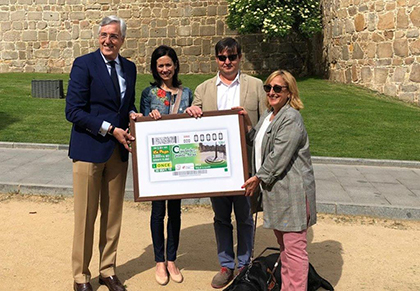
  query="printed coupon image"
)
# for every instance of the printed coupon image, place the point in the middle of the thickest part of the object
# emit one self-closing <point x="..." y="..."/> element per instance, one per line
<point x="189" y="155"/>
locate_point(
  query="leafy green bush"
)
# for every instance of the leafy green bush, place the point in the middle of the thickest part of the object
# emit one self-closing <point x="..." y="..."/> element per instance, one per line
<point x="275" y="18"/>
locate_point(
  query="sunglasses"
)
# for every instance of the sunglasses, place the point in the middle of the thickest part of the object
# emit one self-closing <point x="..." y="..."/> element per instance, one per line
<point x="276" y="88"/>
<point x="223" y="58"/>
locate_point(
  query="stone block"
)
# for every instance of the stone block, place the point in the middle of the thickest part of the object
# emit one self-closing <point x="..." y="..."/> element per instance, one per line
<point x="408" y="61"/>
<point x="192" y="50"/>
<point x="410" y="88"/>
<point x="195" y="29"/>
<point x="156" y="12"/>
<point x="384" y="50"/>
<point x="42" y="35"/>
<point x="184" y="41"/>
<point x="389" y="34"/>
<point x="172" y="31"/>
<point x="64" y="35"/>
<point x="177" y="12"/>
<point x="390" y="89"/>
<point x="379" y="6"/>
<point x="161" y="23"/>
<point x="124" y="13"/>
<point x="352" y="10"/>
<point x="91" y="14"/>
<point x="41" y="25"/>
<point x="199" y="11"/>
<point x="359" y="22"/>
<point x="402" y="19"/>
<point x="42" y="53"/>
<point x="51" y="16"/>
<point x="212" y="10"/>
<point x="383" y="62"/>
<point x="386" y="21"/>
<point x="366" y="74"/>
<point x="85" y="34"/>
<point x="415" y="47"/>
<point x="349" y="26"/>
<point x="415" y="73"/>
<point x="35" y="15"/>
<point x="390" y="6"/>
<point x="401" y="47"/>
<point x="407" y="97"/>
<point x="336" y="28"/>
<point x="144" y="31"/>
<point x="146" y="12"/>
<point x="371" y="25"/>
<point x="377" y="37"/>
<point x="20" y="45"/>
<point x="17" y="15"/>
<point x="205" y="68"/>
<point x="357" y="52"/>
<point x="345" y="53"/>
<point x="371" y="50"/>
<point x="222" y="10"/>
<point x="158" y="32"/>
<point x="413" y="34"/>
<point x="77" y="16"/>
<point x="10" y="55"/>
<point x="342" y="13"/>
<point x="184" y="31"/>
<point x="4" y="16"/>
<point x="12" y="36"/>
<point x="354" y="75"/>
<point x="134" y="33"/>
<point x="207" y="30"/>
<point x="30" y="35"/>
<point x="220" y="27"/>
<point x="380" y="75"/>
<point x="415" y="16"/>
<point x="397" y="62"/>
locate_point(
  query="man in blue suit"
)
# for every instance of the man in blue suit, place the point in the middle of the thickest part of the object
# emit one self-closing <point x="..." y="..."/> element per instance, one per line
<point x="100" y="101"/>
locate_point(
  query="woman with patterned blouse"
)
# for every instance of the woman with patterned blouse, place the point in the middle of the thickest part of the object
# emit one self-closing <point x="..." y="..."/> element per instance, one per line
<point x="165" y="96"/>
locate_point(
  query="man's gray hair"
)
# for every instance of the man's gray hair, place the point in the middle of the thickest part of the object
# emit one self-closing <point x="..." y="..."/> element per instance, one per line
<point x="110" y="19"/>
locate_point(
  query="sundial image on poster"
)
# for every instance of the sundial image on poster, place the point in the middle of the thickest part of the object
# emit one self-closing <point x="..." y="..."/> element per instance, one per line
<point x="189" y="155"/>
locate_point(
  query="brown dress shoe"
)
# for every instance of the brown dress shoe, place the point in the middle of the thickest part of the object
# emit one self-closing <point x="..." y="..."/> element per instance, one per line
<point x="82" y="287"/>
<point x="112" y="283"/>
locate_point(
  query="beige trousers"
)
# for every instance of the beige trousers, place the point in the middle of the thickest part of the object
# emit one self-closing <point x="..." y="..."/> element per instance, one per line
<point x="97" y="184"/>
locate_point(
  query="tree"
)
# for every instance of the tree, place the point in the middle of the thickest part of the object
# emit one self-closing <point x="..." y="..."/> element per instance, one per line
<point x="277" y="18"/>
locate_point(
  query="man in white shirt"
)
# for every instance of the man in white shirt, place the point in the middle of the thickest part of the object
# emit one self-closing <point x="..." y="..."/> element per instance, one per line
<point x="230" y="88"/>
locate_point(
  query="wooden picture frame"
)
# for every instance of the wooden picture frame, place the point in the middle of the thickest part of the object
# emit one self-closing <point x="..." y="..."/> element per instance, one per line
<point x="182" y="157"/>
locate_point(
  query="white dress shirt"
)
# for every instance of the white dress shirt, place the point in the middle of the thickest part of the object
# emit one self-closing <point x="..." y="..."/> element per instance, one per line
<point x="227" y="95"/>
<point x="123" y="86"/>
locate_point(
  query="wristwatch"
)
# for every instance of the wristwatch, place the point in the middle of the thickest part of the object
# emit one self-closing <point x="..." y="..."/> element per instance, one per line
<point x="111" y="129"/>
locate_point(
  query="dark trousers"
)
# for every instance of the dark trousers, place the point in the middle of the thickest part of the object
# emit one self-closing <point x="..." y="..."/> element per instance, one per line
<point x="173" y="229"/>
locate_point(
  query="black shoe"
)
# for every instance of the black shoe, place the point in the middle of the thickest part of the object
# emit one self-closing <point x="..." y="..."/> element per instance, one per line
<point x="82" y="287"/>
<point x="112" y="283"/>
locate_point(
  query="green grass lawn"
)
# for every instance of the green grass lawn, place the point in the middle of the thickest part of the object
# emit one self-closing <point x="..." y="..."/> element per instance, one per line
<point x="342" y="120"/>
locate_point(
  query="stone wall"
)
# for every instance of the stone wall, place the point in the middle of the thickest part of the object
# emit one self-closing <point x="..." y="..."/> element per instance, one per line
<point x="46" y="35"/>
<point x="375" y="44"/>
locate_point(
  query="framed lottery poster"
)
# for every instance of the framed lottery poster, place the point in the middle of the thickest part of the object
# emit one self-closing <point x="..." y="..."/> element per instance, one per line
<point x="179" y="156"/>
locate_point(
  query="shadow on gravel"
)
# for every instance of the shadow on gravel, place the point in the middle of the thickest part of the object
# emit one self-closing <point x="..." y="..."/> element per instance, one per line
<point x="197" y="251"/>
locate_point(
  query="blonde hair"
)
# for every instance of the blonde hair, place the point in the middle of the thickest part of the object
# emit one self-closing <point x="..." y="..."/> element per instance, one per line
<point x="294" y="99"/>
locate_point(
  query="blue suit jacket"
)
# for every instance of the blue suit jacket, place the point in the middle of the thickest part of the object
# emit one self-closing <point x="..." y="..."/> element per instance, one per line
<point x="90" y="100"/>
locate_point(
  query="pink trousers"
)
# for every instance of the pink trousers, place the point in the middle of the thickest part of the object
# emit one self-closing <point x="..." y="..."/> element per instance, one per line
<point x="294" y="258"/>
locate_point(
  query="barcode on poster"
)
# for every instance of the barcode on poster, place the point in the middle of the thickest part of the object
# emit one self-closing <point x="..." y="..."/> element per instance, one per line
<point x="189" y="173"/>
<point x="164" y="140"/>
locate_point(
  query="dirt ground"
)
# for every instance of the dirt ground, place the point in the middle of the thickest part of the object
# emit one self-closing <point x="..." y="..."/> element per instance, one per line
<point x="352" y="253"/>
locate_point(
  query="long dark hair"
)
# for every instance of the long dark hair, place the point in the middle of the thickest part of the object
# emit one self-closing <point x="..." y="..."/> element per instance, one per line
<point x="161" y="51"/>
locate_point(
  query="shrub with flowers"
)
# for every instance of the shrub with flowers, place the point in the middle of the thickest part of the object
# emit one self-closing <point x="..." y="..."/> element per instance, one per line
<point x="275" y="18"/>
